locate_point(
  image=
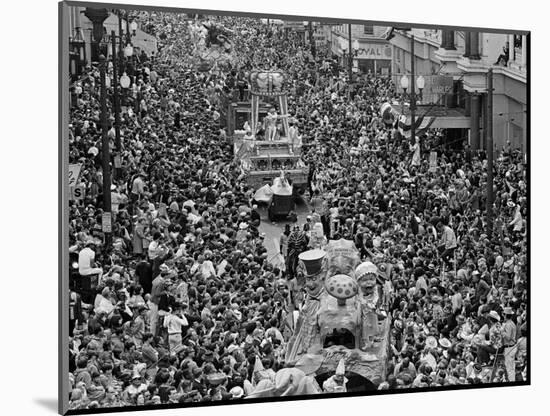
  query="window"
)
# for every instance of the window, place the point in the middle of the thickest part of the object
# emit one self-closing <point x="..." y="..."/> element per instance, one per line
<point x="368" y="29"/>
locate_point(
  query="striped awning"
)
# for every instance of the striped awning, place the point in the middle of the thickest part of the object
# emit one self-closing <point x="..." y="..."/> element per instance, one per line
<point x="421" y="124"/>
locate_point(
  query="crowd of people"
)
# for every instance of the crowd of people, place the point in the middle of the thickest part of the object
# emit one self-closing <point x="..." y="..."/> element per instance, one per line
<point x="184" y="305"/>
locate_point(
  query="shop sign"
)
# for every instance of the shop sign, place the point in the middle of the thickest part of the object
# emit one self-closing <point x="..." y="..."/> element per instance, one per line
<point x="375" y="51"/>
<point x="439" y="84"/>
<point x="74" y="173"/>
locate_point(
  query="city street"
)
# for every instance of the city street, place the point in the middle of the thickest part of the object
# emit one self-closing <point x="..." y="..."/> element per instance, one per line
<point x="419" y="275"/>
<point x="273" y="230"/>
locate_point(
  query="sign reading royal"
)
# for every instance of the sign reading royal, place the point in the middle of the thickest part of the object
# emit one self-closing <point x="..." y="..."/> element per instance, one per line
<point x="374" y="51"/>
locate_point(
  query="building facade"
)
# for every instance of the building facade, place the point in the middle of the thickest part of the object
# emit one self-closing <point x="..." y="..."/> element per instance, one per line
<point x="466" y="57"/>
<point x="370" y="51"/>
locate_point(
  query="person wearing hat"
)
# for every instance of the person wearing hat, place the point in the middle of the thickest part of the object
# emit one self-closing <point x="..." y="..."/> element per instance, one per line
<point x="337" y="382"/>
<point x="243" y="231"/>
<point x="136" y="388"/>
<point x="492" y="344"/>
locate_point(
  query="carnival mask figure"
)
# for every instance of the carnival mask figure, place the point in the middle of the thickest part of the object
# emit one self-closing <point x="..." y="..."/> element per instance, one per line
<point x="366" y="274"/>
<point x="306" y="332"/>
<point x="366" y="278"/>
<point x="310" y="266"/>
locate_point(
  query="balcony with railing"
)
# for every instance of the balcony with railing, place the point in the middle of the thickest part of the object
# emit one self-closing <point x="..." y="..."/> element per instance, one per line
<point x="513" y="59"/>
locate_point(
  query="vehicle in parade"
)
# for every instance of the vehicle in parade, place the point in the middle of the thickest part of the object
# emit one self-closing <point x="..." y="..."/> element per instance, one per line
<point x="264" y="142"/>
<point x="342" y="323"/>
<point x="282" y="201"/>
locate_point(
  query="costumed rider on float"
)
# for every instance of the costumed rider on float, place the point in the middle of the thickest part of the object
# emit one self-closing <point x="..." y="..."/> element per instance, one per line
<point x="311" y="275"/>
<point x="337" y="382"/>
<point x="366" y="274"/>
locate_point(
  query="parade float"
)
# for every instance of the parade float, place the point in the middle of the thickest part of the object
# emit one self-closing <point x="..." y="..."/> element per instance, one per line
<point x="266" y="144"/>
<point x="341" y="321"/>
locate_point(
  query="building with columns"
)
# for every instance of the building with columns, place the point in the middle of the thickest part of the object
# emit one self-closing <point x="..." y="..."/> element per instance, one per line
<point x="466" y="56"/>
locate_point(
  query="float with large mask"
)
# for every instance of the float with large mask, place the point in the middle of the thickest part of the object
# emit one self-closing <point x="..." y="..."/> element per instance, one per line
<point x="347" y="322"/>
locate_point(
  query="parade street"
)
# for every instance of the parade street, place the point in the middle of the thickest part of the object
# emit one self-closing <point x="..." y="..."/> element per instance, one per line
<point x="262" y="208"/>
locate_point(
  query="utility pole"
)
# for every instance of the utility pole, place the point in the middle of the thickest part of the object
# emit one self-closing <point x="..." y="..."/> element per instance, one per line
<point x="116" y="106"/>
<point x="413" y="93"/>
<point x="121" y="43"/>
<point x="489" y="150"/>
<point x="97" y="17"/>
<point x="105" y="151"/>
<point x="311" y="38"/>
<point x="350" y="56"/>
<point x="128" y="38"/>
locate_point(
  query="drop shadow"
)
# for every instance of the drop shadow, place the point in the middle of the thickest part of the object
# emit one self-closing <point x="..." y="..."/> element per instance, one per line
<point x="49" y="404"/>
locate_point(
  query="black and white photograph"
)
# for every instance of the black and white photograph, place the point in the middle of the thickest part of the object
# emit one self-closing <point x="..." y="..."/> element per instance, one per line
<point x="267" y="208"/>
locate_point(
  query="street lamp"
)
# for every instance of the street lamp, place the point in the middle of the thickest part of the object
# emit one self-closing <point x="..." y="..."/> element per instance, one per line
<point x="405" y="83"/>
<point x="125" y="81"/>
<point x="412" y="96"/>
<point x="128" y="51"/>
<point x="116" y="107"/>
<point x="133" y="27"/>
<point x="420" y="82"/>
<point x="97" y="17"/>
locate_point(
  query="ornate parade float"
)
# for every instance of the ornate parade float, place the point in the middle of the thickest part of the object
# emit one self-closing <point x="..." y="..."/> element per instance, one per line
<point x="341" y="322"/>
<point x="266" y="143"/>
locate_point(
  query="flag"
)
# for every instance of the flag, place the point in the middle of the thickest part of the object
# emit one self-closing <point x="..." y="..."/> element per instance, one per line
<point x="421" y="124"/>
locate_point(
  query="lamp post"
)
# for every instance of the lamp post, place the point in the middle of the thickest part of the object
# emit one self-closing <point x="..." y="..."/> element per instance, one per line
<point x="97" y="17"/>
<point x="120" y="44"/>
<point x="116" y="106"/>
<point x="412" y="96"/>
<point x="128" y="38"/>
<point x="133" y="27"/>
<point x="125" y="83"/>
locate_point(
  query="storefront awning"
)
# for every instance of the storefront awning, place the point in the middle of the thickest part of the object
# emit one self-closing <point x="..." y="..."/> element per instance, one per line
<point x="430" y="117"/>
